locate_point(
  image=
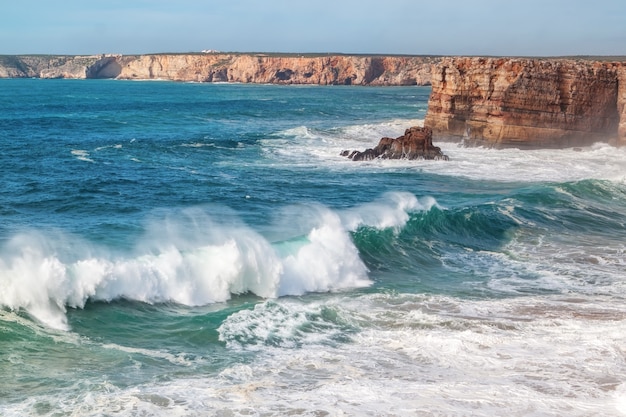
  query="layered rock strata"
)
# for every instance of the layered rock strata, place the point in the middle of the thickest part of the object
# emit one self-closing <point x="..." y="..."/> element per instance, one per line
<point x="219" y="67"/>
<point x="528" y="102"/>
<point x="416" y="143"/>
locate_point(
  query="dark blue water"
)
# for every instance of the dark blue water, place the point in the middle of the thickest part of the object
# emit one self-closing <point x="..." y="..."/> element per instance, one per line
<point x="202" y="249"/>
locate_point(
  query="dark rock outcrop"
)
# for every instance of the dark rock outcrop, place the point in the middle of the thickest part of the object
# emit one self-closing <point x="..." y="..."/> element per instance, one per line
<point x="416" y="143"/>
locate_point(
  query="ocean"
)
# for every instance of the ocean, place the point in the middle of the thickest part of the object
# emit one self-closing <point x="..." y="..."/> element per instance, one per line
<point x="188" y="249"/>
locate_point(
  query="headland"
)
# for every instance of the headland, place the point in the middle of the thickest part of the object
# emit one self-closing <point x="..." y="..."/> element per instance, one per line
<point x="262" y="68"/>
<point x="489" y="101"/>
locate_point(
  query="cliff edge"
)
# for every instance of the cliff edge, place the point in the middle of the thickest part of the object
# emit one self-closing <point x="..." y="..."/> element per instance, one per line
<point x="226" y="67"/>
<point x="528" y="102"/>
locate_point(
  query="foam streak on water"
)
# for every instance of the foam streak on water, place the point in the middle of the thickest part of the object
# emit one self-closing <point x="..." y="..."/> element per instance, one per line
<point x="407" y="355"/>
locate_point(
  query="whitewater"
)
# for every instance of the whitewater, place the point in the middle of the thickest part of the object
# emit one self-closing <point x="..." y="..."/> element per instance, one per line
<point x="185" y="249"/>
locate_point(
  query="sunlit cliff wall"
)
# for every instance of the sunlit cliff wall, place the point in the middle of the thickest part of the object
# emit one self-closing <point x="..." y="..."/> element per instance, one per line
<point x="218" y="67"/>
<point x="528" y="102"/>
<point x="258" y="68"/>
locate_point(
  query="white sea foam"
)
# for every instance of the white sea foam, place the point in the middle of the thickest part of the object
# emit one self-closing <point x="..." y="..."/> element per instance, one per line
<point x="392" y="210"/>
<point x="284" y="324"/>
<point x="178" y="359"/>
<point x="188" y="258"/>
<point x="306" y="146"/>
<point x="600" y="161"/>
<point x="115" y="146"/>
<point x="410" y="354"/>
<point x="82" y="155"/>
<point x="432" y="352"/>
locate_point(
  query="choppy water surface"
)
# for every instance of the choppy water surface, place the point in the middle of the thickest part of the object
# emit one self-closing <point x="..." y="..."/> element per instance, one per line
<point x="199" y="249"/>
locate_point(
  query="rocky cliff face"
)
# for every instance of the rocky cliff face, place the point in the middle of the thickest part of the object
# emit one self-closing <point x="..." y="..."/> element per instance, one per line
<point x="528" y="102"/>
<point x="46" y="66"/>
<point x="621" y="105"/>
<point x="216" y="67"/>
<point x="249" y="68"/>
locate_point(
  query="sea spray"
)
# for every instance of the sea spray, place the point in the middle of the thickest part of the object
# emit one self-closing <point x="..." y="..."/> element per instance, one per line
<point x="391" y="210"/>
<point x="505" y="296"/>
<point x="329" y="260"/>
<point x="190" y="258"/>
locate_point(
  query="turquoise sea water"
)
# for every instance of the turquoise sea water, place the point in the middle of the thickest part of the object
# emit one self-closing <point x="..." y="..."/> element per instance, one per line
<point x="178" y="249"/>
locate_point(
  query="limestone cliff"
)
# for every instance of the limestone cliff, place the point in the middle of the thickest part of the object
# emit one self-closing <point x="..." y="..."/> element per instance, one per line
<point x="416" y="143"/>
<point x="528" y="102"/>
<point x="259" y="68"/>
<point x="218" y="67"/>
<point x="46" y="66"/>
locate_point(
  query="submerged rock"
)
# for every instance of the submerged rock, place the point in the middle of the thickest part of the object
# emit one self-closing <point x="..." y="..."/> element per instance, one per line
<point x="416" y="143"/>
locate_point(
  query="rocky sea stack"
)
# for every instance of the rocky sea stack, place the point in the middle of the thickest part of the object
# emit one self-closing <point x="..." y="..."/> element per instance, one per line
<point x="416" y="143"/>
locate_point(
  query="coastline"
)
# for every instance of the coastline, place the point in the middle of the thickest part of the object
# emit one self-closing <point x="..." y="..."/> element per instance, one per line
<point x="539" y="102"/>
<point x="261" y="68"/>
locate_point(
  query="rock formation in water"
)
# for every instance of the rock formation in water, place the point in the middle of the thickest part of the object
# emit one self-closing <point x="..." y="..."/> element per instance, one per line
<point x="528" y="102"/>
<point x="224" y="67"/>
<point x="416" y="143"/>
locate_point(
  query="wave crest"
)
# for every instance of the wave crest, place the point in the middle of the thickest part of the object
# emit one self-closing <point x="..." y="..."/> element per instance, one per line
<point x="189" y="258"/>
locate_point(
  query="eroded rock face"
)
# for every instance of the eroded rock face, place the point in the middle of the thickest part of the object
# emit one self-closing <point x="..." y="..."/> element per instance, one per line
<point x="527" y="102"/>
<point x="218" y="67"/>
<point x="46" y="66"/>
<point x="416" y="143"/>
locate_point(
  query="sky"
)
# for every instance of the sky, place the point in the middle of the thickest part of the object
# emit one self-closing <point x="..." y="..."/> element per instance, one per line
<point x="413" y="27"/>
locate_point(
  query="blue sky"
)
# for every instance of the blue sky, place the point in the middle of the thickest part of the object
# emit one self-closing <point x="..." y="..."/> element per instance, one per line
<point x="433" y="27"/>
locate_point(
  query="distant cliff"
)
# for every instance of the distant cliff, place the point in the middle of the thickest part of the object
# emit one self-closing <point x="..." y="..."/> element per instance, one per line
<point x="528" y="102"/>
<point x="221" y="67"/>
<point x="45" y="66"/>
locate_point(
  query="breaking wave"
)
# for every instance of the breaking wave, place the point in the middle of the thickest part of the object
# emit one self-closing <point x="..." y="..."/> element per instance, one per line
<point x="190" y="258"/>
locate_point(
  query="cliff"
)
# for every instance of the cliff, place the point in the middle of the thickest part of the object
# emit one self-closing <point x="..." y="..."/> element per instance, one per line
<point x="219" y="67"/>
<point x="528" y="102"/>
<point x="46" y="66"/>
